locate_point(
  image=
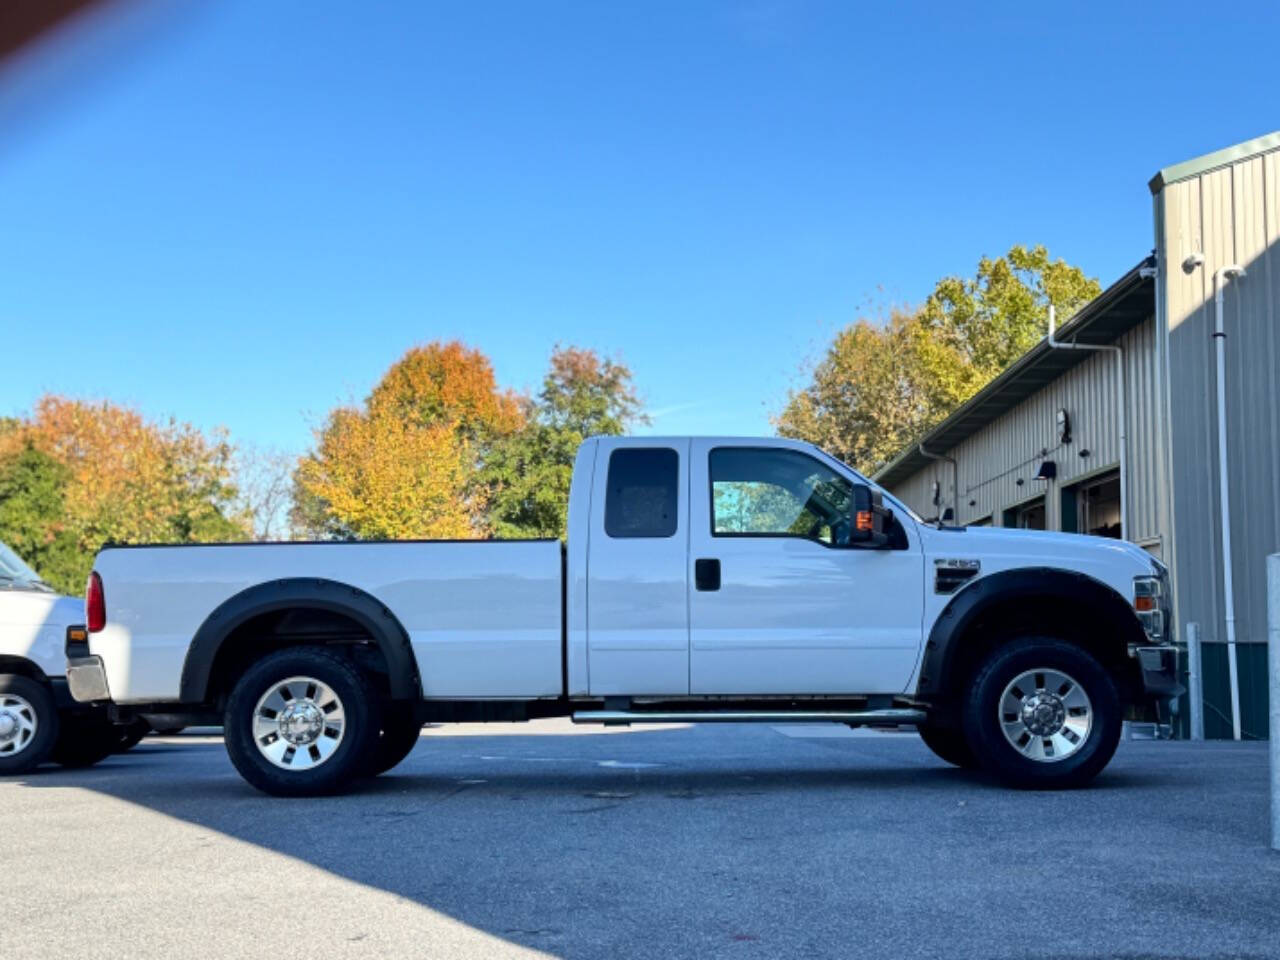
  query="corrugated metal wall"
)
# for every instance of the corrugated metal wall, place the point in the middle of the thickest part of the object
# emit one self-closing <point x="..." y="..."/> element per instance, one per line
<point x="1230" y="215"/>
<point x="992" y="461"/>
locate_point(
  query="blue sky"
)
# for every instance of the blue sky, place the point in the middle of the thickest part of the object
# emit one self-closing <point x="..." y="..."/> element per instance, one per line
<point x="243" y="215"/>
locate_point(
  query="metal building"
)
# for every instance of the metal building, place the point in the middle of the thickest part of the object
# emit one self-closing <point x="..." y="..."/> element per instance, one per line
<point x="1043" y="445"/>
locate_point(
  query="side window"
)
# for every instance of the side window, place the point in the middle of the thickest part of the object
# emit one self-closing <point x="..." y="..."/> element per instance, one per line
<point x="641" y="500"/>
<point x="769" y="492"/>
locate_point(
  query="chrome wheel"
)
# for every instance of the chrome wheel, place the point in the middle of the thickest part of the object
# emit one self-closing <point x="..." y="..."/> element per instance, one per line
<point x="18" y="724"/>
<point x="1045" y="715"/>
<point x="298" y="723"/>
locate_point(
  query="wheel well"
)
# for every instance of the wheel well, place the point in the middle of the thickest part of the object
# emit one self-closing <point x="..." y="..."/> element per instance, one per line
<point x="297" y="626"/>
<point x="1064" y="618"/>
<point x="23" y="668"/>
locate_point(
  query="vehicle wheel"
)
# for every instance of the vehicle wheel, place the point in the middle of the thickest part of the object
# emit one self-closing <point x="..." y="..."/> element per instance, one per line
<point x="301" y="722"/>
<point x="28" y="724"/>
<point x="1043" y="714"/>
<point x="129" y="735"/>
<point x="84" y="741"/>
<point x="947" y="742"/>
<point x="397" y="738"/>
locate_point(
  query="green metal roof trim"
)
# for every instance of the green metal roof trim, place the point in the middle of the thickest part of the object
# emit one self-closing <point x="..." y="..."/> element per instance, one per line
<point x="1212" y="161"/>
<point x="1118" y="309"/>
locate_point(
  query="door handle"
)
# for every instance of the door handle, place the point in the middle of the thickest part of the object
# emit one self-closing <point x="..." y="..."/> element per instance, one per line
<point x="706" y="574"/>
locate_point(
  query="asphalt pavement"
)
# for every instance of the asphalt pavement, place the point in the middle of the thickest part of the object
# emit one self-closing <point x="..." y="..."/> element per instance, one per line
<point x="552" y="840"/>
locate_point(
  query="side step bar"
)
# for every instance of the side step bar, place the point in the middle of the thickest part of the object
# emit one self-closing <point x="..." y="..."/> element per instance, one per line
<point x="854" y="718"/>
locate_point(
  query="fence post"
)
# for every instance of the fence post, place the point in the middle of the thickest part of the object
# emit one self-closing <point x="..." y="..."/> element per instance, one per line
<point x="1273" y="658"/>
<point x="1195" y="681"/>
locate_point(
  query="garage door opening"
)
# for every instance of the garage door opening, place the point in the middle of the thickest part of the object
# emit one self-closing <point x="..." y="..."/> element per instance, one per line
<point x="1097" y="506"/>
<point x="1026" y="516"/>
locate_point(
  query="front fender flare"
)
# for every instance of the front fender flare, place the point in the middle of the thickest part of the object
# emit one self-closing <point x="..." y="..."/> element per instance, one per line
<point x="302" y="592"/>
<point x="1027" y="583"/>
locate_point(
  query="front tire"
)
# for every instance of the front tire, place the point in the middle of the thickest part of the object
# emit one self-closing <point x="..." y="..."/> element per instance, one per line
<point x="301" y="722"/>
<point x="1043" y="714"/>
<point x="85" y="740"/>
<point x="129" y="735"/>
<point x="28" y="724"/>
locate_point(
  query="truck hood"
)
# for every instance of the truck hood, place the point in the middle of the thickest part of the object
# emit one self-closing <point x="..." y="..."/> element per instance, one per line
<point x="1099" y="557"/>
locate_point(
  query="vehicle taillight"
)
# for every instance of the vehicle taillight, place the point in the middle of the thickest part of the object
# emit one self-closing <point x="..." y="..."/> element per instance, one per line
<point x="95" y="604"/>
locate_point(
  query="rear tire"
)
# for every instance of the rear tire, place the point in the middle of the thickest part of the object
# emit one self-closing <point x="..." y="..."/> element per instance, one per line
<point x="401" y="728"/>
<point x="302" y="722"/>
<point x="28" y="724"/>
<point x="1043" y="714"/>
<point x="948" y="743"/>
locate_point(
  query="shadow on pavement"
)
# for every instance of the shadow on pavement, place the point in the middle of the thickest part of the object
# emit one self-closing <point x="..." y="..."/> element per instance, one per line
<point x="693" y="843"/>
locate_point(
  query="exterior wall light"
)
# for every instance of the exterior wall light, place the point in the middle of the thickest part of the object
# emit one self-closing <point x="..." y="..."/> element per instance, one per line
<point x="1048" y="470"/>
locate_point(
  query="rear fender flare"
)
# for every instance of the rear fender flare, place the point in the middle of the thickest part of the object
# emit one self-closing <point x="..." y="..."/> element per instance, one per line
<point x="316" y="594"/>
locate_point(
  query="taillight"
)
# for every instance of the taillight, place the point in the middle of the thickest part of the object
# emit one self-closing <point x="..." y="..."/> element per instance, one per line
<point x="95" y="604"/>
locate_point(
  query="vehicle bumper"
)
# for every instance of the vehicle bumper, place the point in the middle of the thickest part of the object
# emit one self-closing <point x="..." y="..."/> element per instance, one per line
<point x="1158" y="667"/>
<point x="87" y="680"/>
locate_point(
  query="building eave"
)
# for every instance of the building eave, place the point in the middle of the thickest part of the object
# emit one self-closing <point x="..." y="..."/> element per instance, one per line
<point x="1118" y="309"/>
<point x="1213" y="161"/>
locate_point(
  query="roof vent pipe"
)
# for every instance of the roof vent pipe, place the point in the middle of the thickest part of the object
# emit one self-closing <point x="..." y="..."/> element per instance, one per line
<point x="1121" y="408"/>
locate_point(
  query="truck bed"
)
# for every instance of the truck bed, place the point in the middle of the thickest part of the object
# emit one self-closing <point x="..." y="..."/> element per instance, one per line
<point x="484" y="617"/>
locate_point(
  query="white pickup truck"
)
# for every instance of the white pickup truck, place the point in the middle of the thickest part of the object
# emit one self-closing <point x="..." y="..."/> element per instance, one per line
<point x="704" y="580"/>
<point x="39" y="720"/>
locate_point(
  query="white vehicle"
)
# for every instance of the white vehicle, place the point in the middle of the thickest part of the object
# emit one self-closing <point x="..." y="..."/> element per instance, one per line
<point x="704" y="580"/>
<point x="38" y="718"/>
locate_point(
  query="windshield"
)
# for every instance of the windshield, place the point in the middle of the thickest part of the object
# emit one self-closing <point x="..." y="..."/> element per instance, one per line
<point x="13" y="572"/>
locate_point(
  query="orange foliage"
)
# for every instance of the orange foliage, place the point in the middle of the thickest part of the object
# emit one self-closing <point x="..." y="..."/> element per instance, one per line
<point x="447" y="383"/>
<point x="131" y="480"/>
<point x="406" y="465"/>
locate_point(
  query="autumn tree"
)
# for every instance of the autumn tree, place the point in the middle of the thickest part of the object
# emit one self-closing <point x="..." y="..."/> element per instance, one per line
<point x="89" y="473"/>
<point x="408" y="462"/>
<point x="582" y="395"/>
<point x="881" y="384"/>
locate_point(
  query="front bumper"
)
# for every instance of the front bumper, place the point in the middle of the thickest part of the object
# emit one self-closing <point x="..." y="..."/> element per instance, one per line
<point x="87" y="680"/>
<point x="1158" y="667"/>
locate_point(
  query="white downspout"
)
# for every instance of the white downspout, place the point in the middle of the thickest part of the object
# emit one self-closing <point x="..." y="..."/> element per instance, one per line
<point x="1121" y="404"/>
<point x="955" y="483"/>
<point x="1224" y="492"/>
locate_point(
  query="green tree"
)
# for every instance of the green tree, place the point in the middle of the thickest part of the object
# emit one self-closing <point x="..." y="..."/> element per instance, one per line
<point x="882" y="384"/>
<point x="582" y="395"/>
<point x="32" y="508"/>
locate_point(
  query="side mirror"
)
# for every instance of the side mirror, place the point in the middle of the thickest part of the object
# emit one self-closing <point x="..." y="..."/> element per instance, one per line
<point x="872" y="520"/>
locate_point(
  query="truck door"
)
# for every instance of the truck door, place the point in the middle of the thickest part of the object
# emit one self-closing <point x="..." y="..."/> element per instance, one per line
<point x="637" y="558"/>
<point x="776" y="605"/>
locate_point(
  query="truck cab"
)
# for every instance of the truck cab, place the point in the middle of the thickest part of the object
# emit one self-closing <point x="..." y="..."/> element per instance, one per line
<point x="726" y="567"/>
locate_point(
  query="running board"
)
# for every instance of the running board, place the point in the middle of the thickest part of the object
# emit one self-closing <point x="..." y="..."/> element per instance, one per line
<point x="854" y="718"/>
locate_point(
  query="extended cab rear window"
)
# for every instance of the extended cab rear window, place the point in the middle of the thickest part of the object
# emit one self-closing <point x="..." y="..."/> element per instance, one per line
<point x="641" y="501"/>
